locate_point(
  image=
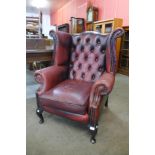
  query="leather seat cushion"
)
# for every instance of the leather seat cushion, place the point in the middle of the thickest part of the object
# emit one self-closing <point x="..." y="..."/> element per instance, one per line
<point x="70" y="96"/>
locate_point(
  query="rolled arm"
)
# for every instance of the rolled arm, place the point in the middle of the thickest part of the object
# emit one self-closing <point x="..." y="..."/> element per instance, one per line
<point x="49" y="77"/>
<point x="101" y="87"/>
<point x="111" y="49"/>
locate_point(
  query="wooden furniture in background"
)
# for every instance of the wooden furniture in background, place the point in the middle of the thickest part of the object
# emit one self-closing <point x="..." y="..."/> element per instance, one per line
<point x="34" y="27"/>
<point x="38" y="55"/>
<point x="107" y="26"/>
<point x="124" y="53"/>
<point x="92" y="15"/>
<point x="77" y="25"/>
<point x="38" y="50"/>
<point x="89" y="26"/>
<point x="64" y="27"/>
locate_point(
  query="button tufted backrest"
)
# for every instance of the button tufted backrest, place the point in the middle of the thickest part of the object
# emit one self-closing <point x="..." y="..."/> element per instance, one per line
<point x="88" y="56"/>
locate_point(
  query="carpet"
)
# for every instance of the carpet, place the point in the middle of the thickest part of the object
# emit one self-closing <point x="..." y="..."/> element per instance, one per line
<point x="60" y="136"/>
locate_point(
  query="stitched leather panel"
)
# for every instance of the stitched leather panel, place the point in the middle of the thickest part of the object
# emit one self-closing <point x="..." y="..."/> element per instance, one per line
<point x="69" y="95"/>
<point x="88" y="56"/>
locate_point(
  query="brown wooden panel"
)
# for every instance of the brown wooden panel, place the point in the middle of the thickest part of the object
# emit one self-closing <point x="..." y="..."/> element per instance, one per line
<point x="39" y="56"/>
<point x="124" y="54"/>
<point x="106" y="26"/>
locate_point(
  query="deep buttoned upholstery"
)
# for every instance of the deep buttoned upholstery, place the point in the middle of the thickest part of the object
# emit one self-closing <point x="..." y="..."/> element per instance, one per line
<point x="88" y="57"/>
<point x="82" y="77"/>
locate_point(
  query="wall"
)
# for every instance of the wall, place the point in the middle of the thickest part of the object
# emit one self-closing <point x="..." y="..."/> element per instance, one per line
<point x="77" y="8"/>
<point x="116" y="9"/>
<point x="74" y="8"/>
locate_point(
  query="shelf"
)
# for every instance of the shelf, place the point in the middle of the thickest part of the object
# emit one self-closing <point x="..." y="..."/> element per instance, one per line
<point x="124" y="49"/>
<point x="33" y="27"/>
<point x="32" y="17"/>
<point x="124" y="67"/>
<point x="32" y="21"/>
<point x="124" y="54"/>
<point x="124" y="71"/>
<point x="35" y="35"/>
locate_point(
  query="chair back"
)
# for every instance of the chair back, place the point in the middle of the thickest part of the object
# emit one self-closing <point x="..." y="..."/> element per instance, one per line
<point x="88" y="56"/>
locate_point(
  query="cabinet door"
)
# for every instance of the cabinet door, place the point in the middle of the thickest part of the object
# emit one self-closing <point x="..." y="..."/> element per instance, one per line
<point x="89" y="27"/>
<point x="124" y="54"/>
<point x="80" y="25"/>
<point x="73" y="25"/>
<point x="98" y="27"/>
<point x="108" y="27"/>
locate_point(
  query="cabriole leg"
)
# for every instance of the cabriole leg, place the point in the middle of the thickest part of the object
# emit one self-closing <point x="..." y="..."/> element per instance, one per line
<point x="93" y="132"/>
<point x="39" y="113"/>
<point x="106" y="103"/>
<point x="39" y="110"/>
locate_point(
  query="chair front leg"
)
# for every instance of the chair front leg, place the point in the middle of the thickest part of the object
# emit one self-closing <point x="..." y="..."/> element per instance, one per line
<point x="39" y="111"/>
<point x="106" y="103"/>
<point x="93" y="125"/>
<point x="93" y="132"/>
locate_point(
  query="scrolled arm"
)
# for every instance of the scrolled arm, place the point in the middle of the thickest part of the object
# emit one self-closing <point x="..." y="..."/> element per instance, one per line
<point x="101" y="87"/>
<point x="49" y="77"/>
<point x="111" y="49"/>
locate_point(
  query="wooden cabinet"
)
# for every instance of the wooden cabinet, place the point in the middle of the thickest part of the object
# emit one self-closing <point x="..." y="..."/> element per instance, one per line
<point x="124" y="53"/>
<point x="77" y="25"/>
<point x="92" y="15"/>
<point x="34" y="26"/>
<point x="89" y="26"/>
<point x="107" y="26"/>
<point x="64" y="27"/>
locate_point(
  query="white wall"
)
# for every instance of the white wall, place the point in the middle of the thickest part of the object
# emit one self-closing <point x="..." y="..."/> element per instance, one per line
<point x="46" y="27"/>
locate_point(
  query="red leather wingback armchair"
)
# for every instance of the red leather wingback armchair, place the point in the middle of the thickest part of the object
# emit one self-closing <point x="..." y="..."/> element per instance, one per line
<point x="82" y="77"/>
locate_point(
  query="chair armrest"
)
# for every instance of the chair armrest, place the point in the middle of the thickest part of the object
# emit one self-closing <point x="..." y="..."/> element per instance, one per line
<point x="101" y="87"/>
<point x="111" y="49"/>
<point x="49" y="77"/>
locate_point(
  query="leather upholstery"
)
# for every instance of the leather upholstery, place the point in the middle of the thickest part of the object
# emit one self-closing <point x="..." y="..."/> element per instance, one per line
<point x="69" y="95"/>
<point x="62" y="47"/>
<point x="50" y="77"/>
<point x="75" y="117"/>
<point x="103" y="86"/>
<point x="111" y="49"/>
<point x="83" y="73"/>
<point x="88" y="56"/>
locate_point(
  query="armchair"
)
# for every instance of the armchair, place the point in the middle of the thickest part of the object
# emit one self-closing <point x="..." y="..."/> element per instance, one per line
<point x="82" y="76"/>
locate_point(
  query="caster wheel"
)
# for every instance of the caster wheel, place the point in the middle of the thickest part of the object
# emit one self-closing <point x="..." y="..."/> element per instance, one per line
<point x="93" y="140"/>
<point x="41" y="121"/>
